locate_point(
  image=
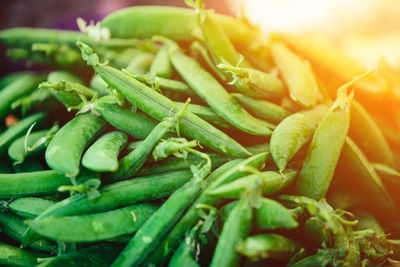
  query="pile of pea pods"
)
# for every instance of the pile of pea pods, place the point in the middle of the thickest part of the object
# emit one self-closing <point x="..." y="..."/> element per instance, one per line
<point x="165" y="136"/>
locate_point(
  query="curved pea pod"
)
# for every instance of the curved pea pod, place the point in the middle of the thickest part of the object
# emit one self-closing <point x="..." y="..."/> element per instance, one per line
<point x="273" y="215"/>
<point x="161" y="66"/>
<point x="159" y="224"/>
<point x="14" y="227"/>
<point x="366" y="133"/>
<point x="99" y="255"/>
<point x="116" y="195"/>
<point x="29" y="207"/>
<point x="160" y="107"/>
<point x="297" y="74"/>
<point x="253" y="82"/>
<point x="28" y="36"/>
<point x="226" y="173"/>
<point x="172" y="22"/>
<point x="22" y="86"/>
<point x="268" y="246"/>
<point x="140" y="63"/>
<point x="292" y="133"/>
<point x="137" y="124"/>
<point x="66" y="98"/>
<point x="13" y="132"/>
<point x="236" y="228"/>
<point x="325" y="148"/>
<point x="64" y="151"/>
<point x="99" y="85"/>
<point x="209" y="89"/>
<point x="206" y="114"/>
<point x="353" y="163"/>
<point x="17" y="152"/>
<point x="94" y="227"/>
<point x="272" y="181"/>
<point x="314" y="231"/>
<point x="262" y="109"/>
<point x="102" y="156"/>
<point x="13" y="256"/>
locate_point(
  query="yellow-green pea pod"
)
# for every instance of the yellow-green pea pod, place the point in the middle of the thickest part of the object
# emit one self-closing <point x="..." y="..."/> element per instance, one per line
<point x="268" y="246"/>
<point x="326" y="146"/>
<point x="13" y="256"/>
<point x="366" y="133"/>
<point x="262" y="109"/>
<point x="200" y="52"/>
<point x="292" y="133"/>
<point x="99" y="85"/>
<point x="273" y="215"/>
<point x="102" y="156"/>
<point x="64" y="151"/>
<point x="364" y="180"/>
<point x="212" y="92"/>
<point x="272" y="182"/>
<point x="161" y="66"/>
<point x="172" y="22"/>
<point x="140" y="63"/>
<point x="297" y="74"/>
<point x="253" y="82"/>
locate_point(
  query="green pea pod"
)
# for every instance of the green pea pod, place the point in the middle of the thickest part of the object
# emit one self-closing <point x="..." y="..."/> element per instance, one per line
<point x="200" y="52"/>
<point x="208" y="88"/>
<point x="172" y="22"/>
<point x="268" y="246"/>
<point x="297" y="74"/>
<point x="161" y="66"/>
<point x="116" y="195"/>
<point x="272" y="181"/>
<point x="68" y="99"/>
<point x="160" y="107"/>
<point x="64" y="151"/>
<point x="273" y="215"/>
<point x="13" y="256"/>
<point x="159" y="224"/>
<point x="29" y="207"/>
<point x="17" y="151"/>
<point x="94" y="227"/>
<point x="22" y="86"/>
<point x="102" y="156"/>
<point x="224" y="174"/>
<point x="13" y="132"/>
<point x="29" y="36"/>
<point x="292" y="133"/>
<point x="364" y="179"/>
<point x="236" y="228"/>
<point x="99" y="85"/>
<point x="99" y="255"/>
<point x="366" y="133"/>
<point x="140" y="63"/>
<point x="14" y="227"/>
<point x="262" y="109"/>
<point x="326" y="145"/>
<point x="10" y="78"/>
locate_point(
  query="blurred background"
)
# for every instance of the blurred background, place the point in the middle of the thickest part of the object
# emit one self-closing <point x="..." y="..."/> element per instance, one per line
<point x="364" y="29"/>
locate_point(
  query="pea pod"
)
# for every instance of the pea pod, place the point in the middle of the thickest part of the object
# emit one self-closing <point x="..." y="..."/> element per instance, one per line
<point x="160" y="107"/>
<point x="161" y="66"/>
<point x="117" y="195"/>
<point x="29" y="207"/>
<point x="272" y="182"/>
<point x="262" y="109"/>
<point x="99" y="85"/>
<point x="208" y="88"/>
<point x="13" y="132"/>
<point x="224" y="174"/>
<point x="297" y="74"/>
<point x="94" y="227"/>
<point x="9" y="78"/>
<point x="172" y="22"/>
<point x="273" y="215"/>
<point x="23" y="86"/>
<point x="159" y="224"/>
<point x="292" y="133"/>
<point x="140" y="63"/>
<point x="64" y="151"/>
<point x="102" y="156"/>
<point x="322" y="258"/>
<point x="268" y="246"/>
<point x="314" y="231"/>
<point x="236" y="227"/>
<point x="13" y="256"/>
